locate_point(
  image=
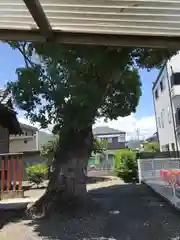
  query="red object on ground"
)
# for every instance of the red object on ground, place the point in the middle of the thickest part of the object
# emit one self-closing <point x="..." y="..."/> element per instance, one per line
<point x="166" y="175"/>
<point x="176" y="177"/>
<point x="171" y="176"/>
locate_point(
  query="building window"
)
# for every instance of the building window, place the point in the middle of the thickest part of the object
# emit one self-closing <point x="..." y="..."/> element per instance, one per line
<point x="173" y="147"/>
<point x="162" y="118"/>
<point x="169" y="115"/>
<point x="159" y="122"/>
<point x="161" y="85"/>
<point x="109" y="140"/>
<point x="121" y="138"/>
<point x="177" y="116"/>
<point x="165" y="148"/>
<point x="175" y="79"/>
<point x="156" y="94"/>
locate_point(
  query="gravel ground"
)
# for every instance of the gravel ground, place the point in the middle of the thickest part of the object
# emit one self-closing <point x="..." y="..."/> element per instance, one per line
<point x="121" y="212"/>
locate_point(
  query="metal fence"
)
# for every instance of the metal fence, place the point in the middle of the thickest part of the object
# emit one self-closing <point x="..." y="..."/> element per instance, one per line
<point x="162" y="175"/>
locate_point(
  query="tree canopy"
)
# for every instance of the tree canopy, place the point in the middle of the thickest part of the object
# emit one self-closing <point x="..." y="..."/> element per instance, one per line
<point x="72" y="85"/>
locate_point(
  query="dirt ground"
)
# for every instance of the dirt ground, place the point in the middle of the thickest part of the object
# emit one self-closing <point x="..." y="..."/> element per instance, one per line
<point x="121" y="212"/>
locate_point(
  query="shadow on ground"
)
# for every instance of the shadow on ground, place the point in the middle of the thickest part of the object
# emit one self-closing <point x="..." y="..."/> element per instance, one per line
<point x="96" y="179"/>
<point x="127" y="212"/>
<point x="90" y="179"/>
<point x="10" y="216"/>
<point x="123" y="212"/>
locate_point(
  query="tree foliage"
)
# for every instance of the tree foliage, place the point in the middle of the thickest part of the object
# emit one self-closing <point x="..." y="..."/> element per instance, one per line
<point x="36" y="173"/>
<point x="152" y="147"/>
<point x="49" y="149"/>
<point x="126" y="165"/>
<point x="72" y="85"/>
<point x="99" y="145"/>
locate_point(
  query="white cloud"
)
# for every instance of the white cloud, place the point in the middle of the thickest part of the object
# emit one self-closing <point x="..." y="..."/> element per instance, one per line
<point x="37" y="125"/>
<point x="146" y="125"/>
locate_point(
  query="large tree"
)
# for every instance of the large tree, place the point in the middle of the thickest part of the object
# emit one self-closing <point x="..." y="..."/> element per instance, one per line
<point x="71" y="86"/>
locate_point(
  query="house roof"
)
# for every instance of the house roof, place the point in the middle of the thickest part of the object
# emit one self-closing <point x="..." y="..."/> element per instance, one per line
<point x="153" y="138"/>
<point x="103" y="130"/>
<point x="26" y="126"/>
<point x="137" y="23"/>
<point x="9" y="120"/>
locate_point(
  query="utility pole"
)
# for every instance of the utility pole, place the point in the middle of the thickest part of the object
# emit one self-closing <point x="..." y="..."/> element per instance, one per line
<point x="137" y="131"/>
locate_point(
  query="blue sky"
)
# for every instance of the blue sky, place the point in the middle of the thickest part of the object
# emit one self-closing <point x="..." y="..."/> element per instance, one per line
<point x="145" y="107"/>
<point x="11" y="59"/>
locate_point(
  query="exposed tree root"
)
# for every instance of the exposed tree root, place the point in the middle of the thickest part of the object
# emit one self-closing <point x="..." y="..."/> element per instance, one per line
<point x="50" y="204"/>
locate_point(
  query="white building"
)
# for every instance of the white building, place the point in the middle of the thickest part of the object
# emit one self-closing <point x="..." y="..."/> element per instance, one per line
<point x="166" y="95"/>
<point x="31" y="139"/>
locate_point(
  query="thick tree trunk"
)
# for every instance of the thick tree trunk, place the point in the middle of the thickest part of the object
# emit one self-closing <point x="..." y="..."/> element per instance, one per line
<point x="67" y="185"/>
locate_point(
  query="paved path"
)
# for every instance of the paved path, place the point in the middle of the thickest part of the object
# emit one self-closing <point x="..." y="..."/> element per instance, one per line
<point x="122" y="212"/>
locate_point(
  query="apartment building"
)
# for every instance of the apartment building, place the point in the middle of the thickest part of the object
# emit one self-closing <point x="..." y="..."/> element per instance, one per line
<point x="116" y="139"/>
<point x="166" y="96"/>
<point x="31" y="139"/>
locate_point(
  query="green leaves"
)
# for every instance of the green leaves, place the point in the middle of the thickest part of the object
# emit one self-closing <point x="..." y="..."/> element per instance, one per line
<point x="152" y="147"/>
<point x="48" y="150"/>
<point x="126" y="165"/>
<point x="37" y="173"/>
<point x="72" y="85"/>
<point x="99" y="146"/>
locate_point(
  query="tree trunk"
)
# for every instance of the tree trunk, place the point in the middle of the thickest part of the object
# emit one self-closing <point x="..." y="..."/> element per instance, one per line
<point x="67" y="184"/>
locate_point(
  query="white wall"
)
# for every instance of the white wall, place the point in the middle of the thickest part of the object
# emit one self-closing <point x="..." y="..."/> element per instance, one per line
<point x="121" y="136"/>
<point x="166" y="134"/>
<point x="25" y="142"/>
<point x="174" y="66"/>
<point x="22" y="144"/>
<point x="163" y="112"/>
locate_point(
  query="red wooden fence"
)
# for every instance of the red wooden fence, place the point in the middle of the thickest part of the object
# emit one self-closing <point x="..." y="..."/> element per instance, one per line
<point x="11" y="172"/>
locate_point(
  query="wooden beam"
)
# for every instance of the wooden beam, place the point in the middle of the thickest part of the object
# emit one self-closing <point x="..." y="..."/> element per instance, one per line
<point x="39" y="17"/>
<point x="93" y="39"/>
<point x="117" y="40"/>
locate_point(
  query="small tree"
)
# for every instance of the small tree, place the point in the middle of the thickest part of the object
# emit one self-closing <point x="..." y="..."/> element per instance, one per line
<point x="99" y="145"/>
<point x="152" y="147"/>
<point x="48" y="151"/>
<point x="126" y="165"/>
<point x="72" y="86"/>
<point x="36" y="173"/>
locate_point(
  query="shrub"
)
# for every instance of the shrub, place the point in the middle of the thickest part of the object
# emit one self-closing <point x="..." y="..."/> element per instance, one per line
<point x="36" y="173"/>
<point x="126" y="165"/>
<point x="152" y="147"/>
<point x="48" y="150"/>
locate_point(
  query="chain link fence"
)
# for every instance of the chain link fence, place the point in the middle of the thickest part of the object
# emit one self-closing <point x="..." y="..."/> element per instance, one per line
<point x="162" y="175"/>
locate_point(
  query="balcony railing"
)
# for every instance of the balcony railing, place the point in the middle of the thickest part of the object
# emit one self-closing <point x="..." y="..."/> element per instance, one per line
<point x="13" y="137"/>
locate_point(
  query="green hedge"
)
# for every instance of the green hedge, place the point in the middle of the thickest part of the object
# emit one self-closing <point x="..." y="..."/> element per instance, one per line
<point x="126" y="165"/>
<point x="37" y="173"/>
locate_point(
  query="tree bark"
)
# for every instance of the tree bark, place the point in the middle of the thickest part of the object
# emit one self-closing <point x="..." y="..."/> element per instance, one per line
<point x="67" y="184"/>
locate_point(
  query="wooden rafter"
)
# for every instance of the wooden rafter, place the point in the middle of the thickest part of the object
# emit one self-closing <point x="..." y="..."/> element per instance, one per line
<point x="39" y="17"/>
<point x="93" y="39"/>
